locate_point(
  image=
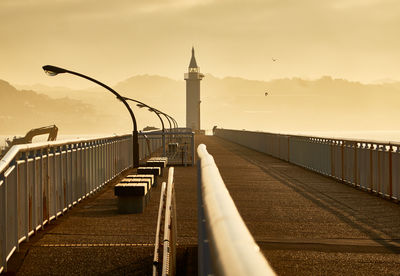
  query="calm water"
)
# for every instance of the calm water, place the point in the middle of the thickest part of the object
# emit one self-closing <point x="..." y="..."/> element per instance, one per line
<point x="385" y="136"/>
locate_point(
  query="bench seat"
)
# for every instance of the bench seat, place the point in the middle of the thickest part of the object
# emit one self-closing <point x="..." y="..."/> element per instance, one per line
<point x="142" y="176"/>
<point x="155" y="171"/>
<point x="132" y="197"/>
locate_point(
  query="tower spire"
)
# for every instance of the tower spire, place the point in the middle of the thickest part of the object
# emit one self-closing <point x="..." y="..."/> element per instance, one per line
<point x="193" y="63"/>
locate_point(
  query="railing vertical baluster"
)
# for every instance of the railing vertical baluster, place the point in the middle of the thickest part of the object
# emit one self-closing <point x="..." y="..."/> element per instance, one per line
<point x="355" y="167"/>
<point x="41" y="186"/>
<point x="35" y="205"/>
<point x="396" y="176"/>
<point x="62" y="179"/>
<point x="27" y="195"/>
<point x="379" y="168"/>
<point x="56" y="182"/>
<point x="91" y="166"/>
<point x="47" y="189"/>
<point x="390" y="172"/>
<point x="4" y="226"/>
<point x="16" y="209"/>
<point x="371" y="166"/>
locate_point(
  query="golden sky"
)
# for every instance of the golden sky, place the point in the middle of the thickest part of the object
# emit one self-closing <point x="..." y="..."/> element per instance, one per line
<point x="113" y="40"/>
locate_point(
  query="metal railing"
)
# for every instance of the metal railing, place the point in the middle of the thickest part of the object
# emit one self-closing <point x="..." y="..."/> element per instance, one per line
<point x="370" y="165"/>
<point x="167" y="208"/>
<point x="232" y="249"/>
<point x="40" y="181"/>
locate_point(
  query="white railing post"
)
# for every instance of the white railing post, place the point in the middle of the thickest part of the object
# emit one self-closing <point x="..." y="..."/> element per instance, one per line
<point x="4" y="226"/>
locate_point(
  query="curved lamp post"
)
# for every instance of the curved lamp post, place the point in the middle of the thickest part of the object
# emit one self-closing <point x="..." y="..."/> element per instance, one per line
<point x="175" y="122"/>
<point x="53" y="70"/>
<point x="168" y="118"/>
<point x="151" y="109"/>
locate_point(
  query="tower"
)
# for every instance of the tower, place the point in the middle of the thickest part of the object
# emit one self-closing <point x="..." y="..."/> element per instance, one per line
<point x="193" y="78"/>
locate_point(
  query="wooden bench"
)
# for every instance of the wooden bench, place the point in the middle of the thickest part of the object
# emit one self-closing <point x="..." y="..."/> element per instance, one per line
<point x="157" y="163"/>
<point x="155" y="171"/>
<point x="150" y="177"/>
<point x="160" y="158"/>
<point x="161" y="162"/>
<point x="146" y="180"/>
<point x="131" y="197"/>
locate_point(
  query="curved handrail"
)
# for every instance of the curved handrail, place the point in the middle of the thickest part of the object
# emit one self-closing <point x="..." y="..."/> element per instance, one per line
<point x="333" y="139"/>
<point x="157" y="241"/>
<point x="14" y="150"/>
<point x="233" y="248"/>
<point x="168" y="266"/>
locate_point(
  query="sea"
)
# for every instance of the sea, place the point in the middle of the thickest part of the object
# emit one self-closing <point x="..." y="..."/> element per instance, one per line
<point x="371" y="135"/>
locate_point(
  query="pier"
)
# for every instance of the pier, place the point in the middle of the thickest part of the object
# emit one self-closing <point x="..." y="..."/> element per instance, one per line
<point x="304" y="223"/>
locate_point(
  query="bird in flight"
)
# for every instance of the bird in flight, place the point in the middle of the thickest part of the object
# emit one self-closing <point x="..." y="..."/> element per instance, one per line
<point x="274" y="59"/>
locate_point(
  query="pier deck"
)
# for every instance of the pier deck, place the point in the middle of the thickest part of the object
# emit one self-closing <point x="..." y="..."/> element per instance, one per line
<point x="305" y="224"/>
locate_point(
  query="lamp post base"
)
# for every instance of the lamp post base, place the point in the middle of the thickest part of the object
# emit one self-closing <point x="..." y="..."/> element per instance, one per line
<point x="135" y="149"/>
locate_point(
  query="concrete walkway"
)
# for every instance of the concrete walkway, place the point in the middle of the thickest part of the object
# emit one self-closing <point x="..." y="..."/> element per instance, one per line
<point x="305" y="223"/>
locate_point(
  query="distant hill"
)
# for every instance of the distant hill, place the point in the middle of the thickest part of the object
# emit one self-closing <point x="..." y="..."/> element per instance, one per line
<point x="297" y="104"/>
<point x="160" y="92"/>
<point x="290" y="105"/>
<point x="22" y="110"/>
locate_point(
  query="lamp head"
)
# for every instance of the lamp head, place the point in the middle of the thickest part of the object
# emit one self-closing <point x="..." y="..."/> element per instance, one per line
<point x="53" y="70"/>
<point x="140" y="105"/>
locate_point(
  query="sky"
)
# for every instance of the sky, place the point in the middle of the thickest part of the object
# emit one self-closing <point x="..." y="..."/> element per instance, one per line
<point x="114" y="40"/>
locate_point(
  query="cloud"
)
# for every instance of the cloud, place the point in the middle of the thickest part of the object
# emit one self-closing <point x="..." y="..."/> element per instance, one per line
<point x="167" y="5"/>
<point x="258" y="111"/>
<point x="351" y="4"/>
<point x="356" y="39"/>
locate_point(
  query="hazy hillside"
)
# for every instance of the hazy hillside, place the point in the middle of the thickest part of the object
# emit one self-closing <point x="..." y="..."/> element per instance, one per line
<point x="22" y="110"/>
<point x="160" y="92"/>
<point x="297" y="104"/>
<point x="291" y="104"/>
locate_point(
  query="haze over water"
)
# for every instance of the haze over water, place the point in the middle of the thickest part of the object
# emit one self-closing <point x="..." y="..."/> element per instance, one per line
<point x="380" y="136"/>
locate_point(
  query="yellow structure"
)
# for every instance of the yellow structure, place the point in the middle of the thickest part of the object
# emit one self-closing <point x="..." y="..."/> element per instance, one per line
<point x="193" y="78"/>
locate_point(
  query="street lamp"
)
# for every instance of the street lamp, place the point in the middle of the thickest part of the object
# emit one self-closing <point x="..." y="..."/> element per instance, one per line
<point x="53" y="71"/>
<point x="168" y="117"/>
<point x="175" y="122"/>
<point x="151" y="109"/>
